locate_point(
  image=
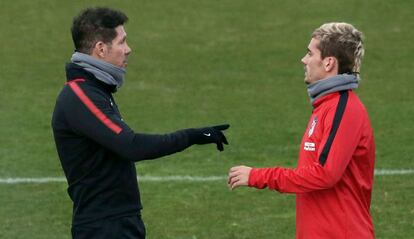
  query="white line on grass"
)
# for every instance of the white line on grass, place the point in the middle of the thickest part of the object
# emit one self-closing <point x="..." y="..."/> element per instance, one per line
<point x="180" y="178"/>
<point x="146" y="178"/>
<point x="393" y="171"/>
<point x="175" y="178"/>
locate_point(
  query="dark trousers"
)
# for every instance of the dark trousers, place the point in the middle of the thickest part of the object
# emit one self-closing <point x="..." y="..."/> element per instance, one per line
<point x="129" y="227"/>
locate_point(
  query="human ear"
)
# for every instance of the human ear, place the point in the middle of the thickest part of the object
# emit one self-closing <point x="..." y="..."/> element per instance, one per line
<point x="100" y="49"/>
<point x="330" y="63"/>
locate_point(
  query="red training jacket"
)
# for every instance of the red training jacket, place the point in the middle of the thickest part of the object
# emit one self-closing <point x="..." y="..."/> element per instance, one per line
<point x="334" y="176"/>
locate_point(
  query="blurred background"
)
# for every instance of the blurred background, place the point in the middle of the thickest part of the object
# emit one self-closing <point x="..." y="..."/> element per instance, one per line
<point x="199" y="63"/>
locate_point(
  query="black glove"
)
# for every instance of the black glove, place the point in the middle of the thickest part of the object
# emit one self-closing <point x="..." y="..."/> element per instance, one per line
<point x="209" y="135"/>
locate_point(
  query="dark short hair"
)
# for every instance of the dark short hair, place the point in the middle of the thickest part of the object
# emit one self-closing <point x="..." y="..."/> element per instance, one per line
<point x="95" y="24"/>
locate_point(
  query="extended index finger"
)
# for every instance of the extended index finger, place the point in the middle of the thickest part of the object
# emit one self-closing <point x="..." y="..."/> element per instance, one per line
<point x="222" y="127"/>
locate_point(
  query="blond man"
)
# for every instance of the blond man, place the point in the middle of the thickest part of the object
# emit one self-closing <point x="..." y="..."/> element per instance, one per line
<point x="334" y="175"/>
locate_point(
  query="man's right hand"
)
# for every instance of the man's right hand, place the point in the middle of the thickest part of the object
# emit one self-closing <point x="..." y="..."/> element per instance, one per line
<point x="239" y="176"/>
<point x="209" y="135"/>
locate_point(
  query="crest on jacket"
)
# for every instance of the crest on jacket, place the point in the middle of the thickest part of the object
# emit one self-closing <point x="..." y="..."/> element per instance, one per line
<point x="312" y="128"/>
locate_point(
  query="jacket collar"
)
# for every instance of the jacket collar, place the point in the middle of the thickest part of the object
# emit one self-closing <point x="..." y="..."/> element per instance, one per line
<point x="324" y="98"/>
<point x="74" y="71"/>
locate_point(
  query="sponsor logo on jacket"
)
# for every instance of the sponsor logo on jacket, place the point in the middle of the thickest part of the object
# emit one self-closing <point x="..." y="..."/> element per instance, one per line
<point x="309" y="146"/>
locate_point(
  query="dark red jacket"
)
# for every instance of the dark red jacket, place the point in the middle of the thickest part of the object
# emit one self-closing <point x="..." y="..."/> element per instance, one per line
<point x="334" y="176"/>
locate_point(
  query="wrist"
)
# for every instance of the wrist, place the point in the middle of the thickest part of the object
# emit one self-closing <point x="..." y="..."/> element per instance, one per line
<point x="192" y="135"/>
<point x="252" y="178"/>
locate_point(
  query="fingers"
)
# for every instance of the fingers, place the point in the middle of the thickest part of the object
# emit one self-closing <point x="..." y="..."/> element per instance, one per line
<point x="220" y="140"/>
<point x="233" y="170"/>
<point x="234" y="183"/>
<point x="221" y="127"/>
<point x="238" y="176"/>
<point x="233" y="173"/>
<point x="220" y="146"/>
<point x="224" y="140"/>
<point x="233" y="177"/>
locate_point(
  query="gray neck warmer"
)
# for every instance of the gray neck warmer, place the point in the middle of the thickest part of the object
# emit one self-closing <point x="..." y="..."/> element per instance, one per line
<point x="332" y="84"/>
<point x="103" y="71"/>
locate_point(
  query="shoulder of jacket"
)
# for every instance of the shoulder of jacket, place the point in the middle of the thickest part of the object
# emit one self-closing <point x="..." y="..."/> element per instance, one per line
<point x="84" y="90"/>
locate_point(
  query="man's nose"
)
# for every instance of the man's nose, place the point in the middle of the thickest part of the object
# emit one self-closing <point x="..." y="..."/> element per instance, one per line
<point x="128" y="50"/>
<point x="303" y="60"/>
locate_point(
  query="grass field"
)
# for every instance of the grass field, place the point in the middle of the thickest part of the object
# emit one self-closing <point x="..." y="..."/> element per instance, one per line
<point x="197" y="63"/>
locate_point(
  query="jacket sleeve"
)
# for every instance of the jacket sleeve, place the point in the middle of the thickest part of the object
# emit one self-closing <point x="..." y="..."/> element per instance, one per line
<point x="317" y="176"/>
<point x="89" y="113"/>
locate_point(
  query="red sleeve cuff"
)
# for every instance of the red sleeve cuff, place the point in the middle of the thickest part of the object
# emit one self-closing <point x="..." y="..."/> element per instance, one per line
<point x="255" y="179"/>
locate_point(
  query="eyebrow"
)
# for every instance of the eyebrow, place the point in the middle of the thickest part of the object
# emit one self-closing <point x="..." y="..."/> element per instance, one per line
<point x="123" y="39"/>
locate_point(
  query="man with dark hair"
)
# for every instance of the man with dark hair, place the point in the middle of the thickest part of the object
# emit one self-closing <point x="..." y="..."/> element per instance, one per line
<point x="97" y="149"/>
<point x="334" y="175"/>
<point x="93" y="25"/>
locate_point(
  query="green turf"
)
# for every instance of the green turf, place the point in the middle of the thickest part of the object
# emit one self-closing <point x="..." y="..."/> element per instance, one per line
<point x="197" y="63"/>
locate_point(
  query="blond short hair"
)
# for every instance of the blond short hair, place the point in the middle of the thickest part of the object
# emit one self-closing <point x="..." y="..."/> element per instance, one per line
<point x="342" y="41"/>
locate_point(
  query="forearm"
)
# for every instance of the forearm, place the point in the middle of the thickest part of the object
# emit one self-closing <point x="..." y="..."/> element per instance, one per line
<point x="151" y="146"/>
<point x="291" y="180"/>
<point x="138" y="147"/>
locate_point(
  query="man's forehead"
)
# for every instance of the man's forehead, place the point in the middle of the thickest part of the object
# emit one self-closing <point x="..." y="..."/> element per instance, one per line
<point x="120" y="30"/>
<point x="313" y="44"/>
